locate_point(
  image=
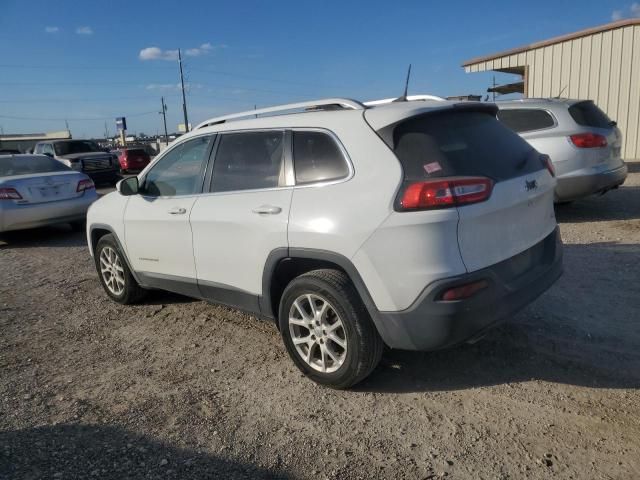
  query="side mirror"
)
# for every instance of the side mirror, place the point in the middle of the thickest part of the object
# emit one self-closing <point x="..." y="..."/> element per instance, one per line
<point x="128" y="186"/>
<point x="48" y="154"/>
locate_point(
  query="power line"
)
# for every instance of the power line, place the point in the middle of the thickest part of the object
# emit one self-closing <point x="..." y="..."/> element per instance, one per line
<point x="61" y="119"/>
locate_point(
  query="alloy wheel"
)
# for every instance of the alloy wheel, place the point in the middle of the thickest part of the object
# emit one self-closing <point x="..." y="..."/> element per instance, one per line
<point x="317" y="332"/>
<point x="112" y="271"/>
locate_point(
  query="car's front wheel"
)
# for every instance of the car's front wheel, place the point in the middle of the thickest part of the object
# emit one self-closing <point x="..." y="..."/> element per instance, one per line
<point x="115" y="276"/>
<point x="327" y="329"/>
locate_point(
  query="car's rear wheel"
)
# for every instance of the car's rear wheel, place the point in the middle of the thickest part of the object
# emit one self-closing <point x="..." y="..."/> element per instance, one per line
<point x="327" y="330"/>
<point x="115" y="276"/>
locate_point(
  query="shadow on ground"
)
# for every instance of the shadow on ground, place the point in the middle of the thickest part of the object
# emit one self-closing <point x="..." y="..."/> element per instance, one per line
<point x="105" y="452"/>
<point x="620" y="204"/>
<point x="583" y="331"/>
<point x="54" y="236"/>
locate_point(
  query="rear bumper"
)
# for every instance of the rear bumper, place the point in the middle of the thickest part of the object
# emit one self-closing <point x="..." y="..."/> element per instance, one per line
<point x="430" y="324"/>
<point x="579" y="186"/>
<point x="21" y="217"/>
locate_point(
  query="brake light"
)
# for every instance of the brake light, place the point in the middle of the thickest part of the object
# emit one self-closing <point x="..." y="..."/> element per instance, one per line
<point x="86" y="184"/>
<point x="463" y="291"/>
<point x="8" y="193"/>
<point x="546" y="161"/>
<point x="445" y="193"/>
<point x="589" y="140"/>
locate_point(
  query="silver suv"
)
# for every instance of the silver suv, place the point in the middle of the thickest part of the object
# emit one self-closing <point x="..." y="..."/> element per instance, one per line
<point x="583" y="143"/>
<point x="412" y="224"/>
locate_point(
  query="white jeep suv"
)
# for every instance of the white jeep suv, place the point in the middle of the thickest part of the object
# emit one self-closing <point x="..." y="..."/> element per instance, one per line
<point x="411" y="224"/>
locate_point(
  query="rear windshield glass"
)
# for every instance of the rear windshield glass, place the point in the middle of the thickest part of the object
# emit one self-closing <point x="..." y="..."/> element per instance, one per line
<point x="136" y="151"/>
<point x="588" y="114"/>
<point x="525" y="119"/>
<point x="461" y="144"/>
<point x="19" y="165"/>
<point x="79" y="146"/>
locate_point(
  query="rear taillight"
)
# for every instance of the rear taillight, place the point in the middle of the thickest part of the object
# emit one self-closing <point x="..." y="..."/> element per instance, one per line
<point x="443" y="193"/>
<point x="463" y="291"/>
<point x="546" y="161"/>
<point x="8" y="193"/>
<point x="588" y="140"/>
<point x="85" y="185"/>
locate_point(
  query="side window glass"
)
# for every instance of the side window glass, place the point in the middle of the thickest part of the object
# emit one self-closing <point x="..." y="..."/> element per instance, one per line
<point x="179" y="172"/>
<point x="317" y="158"/>
<point x="38" y="148"/>
<point x="525" y="120"/>
<point x="248" y="160"/>
<point x="47" y="148"/>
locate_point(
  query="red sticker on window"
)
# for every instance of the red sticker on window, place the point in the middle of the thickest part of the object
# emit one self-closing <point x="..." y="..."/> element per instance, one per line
<point x="432" y="167"/>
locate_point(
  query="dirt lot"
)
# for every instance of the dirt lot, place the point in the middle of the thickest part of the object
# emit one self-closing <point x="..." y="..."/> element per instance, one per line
<point x="178" y="389"/>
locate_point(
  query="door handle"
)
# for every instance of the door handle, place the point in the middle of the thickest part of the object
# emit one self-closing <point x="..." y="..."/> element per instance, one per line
<point x="267" y="209"/>
<point x="178" y="211"/>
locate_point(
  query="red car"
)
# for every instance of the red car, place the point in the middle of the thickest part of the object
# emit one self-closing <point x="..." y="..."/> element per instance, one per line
<point x="133" y="159"/>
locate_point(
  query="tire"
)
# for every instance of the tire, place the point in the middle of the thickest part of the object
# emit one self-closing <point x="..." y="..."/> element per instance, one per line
<point x="79" y="226"/>
<point x="123" y="288"/>
<point x="363" y="346"/>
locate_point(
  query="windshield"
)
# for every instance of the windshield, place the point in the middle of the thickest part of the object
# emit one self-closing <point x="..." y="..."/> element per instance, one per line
<point x="26" y="165"/>
<point x="588" y="114"/>
<point x="451" y="143"/>
<point x="77" y="146"/>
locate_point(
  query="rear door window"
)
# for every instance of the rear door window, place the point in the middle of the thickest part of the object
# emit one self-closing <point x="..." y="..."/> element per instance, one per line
<point x="450" y="143"/>
<point x="588" y="114"/>
<point x="317" y="158"/>
<point x="526" y="119"/>
<point x="248" y="161"/>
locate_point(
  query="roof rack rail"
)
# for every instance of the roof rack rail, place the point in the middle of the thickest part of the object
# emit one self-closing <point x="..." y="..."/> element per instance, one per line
<point x="410" y="98"/>
<point x="324" y="104"/>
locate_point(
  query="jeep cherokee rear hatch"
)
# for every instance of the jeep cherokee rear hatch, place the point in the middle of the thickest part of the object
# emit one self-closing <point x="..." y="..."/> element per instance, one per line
<point x="462" y="157"/>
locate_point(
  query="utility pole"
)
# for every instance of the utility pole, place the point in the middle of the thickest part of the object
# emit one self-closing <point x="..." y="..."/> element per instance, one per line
<point x="493" y="93"/>
<point x="164" y="117"/>
<point x="184" y="100"/>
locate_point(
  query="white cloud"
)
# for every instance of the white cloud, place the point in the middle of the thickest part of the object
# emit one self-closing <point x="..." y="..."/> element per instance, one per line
<point x="51" y="29"/>
<point x="155" y="53"/>
<point x="634" y="11"/>
<point x="84" y="30"/>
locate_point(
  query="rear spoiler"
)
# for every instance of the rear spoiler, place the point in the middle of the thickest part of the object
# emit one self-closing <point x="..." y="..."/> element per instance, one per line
<point x="386" y="133"/>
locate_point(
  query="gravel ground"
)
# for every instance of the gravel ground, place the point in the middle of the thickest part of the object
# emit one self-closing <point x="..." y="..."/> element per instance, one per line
<point x="176" y="388"/>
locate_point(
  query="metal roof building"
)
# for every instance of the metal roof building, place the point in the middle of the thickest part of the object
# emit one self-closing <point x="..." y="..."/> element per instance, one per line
<point x="601" y="64"/>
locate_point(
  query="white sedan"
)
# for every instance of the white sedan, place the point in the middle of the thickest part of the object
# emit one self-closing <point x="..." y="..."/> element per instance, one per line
<point x="36" y="190"/>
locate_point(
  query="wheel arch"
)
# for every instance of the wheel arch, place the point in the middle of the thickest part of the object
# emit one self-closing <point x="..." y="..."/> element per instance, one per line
<point x="285" y="264"/>
<point x="99" y="230"/>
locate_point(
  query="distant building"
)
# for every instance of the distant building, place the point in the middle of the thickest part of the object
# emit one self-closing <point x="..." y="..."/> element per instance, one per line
<point x="26" y="141"/>
<point x="600" y="64"/>
<point x="464" y="98"/>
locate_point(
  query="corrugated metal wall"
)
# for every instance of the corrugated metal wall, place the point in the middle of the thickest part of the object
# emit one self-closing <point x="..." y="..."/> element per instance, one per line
<point x="603" y="67"/>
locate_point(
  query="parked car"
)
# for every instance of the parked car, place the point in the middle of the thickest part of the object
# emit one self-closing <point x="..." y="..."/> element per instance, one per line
<point x="36" y="190"/>
<point x="132" y="158"/>
<point x="411" y="224"/>
<point x="83" y="156"/>
<point x="583" y="143"/>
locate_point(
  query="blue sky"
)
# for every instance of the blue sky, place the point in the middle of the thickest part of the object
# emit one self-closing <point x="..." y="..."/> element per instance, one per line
<point x="90" y="61"/>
